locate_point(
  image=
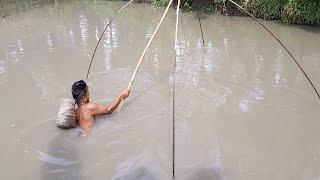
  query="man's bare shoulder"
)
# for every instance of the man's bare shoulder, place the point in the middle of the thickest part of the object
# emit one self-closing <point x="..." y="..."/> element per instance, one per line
<point x="96" y="109"/>
<point x="91" y="106"/>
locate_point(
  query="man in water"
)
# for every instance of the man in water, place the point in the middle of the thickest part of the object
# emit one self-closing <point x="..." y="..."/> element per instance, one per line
<point x="86" y="110"/>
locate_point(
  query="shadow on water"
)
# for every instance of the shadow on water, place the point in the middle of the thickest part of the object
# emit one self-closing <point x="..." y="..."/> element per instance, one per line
<point x="140" y="167"/>
<point x="61" y="161"/>
<point x="206" y="174"/>
<point x="141" y="173"/>
<point x="307" y="28"/>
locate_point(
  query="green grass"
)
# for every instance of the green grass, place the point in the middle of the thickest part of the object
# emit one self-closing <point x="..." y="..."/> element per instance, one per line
<point x="162" y="2"/>
<point x="289" y="11"/>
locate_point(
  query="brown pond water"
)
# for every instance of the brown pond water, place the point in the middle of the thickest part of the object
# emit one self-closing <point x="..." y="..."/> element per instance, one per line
<point x="243" y="108"/>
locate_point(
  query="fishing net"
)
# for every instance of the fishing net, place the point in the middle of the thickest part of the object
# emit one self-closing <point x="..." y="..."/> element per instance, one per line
<point x="66" y="117"/>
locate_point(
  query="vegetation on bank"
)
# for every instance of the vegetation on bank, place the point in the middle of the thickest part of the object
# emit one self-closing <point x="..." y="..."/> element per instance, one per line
<point x="289" y="11"/>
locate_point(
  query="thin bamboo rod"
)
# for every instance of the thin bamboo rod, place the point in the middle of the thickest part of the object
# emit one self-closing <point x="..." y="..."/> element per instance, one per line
<point x="200" y="23"/>
<point x="177" y="24"/>
<point x="278" y="40"/>
<point x="174" y="91"/>
<point x="105" y="29"/>
<point x="144" y="52"/>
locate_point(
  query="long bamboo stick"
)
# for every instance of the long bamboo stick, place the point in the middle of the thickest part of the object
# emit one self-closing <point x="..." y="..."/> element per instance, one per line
<point x="105" y="29"/>
<point x="278" y="40"/>
<point x="174" y="90"/>
<point x="144" y="52"/>
<point x="177" y="24"/>
<point x="200" y="23"/>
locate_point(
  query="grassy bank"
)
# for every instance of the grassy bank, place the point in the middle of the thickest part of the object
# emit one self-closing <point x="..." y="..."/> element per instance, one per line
<point x="289" y="11"/>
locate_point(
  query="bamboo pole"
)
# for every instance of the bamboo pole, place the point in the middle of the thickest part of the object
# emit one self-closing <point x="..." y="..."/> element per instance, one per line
<point x="278" y="40"/>
<point x="177" y="24"/>
<point x="105" y="29"/>
<point x="200" y="23"/>
<point x="143" y="54"/>
<point x="174" y="90"/>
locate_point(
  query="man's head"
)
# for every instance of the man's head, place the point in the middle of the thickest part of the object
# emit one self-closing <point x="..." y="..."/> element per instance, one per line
<point x="80" y="92"/>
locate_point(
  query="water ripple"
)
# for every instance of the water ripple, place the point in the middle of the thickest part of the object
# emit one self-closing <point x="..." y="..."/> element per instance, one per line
<point x="55" y="160"/>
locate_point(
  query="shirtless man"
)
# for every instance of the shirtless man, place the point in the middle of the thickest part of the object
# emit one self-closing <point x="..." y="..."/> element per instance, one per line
<point x="86" y="110"/>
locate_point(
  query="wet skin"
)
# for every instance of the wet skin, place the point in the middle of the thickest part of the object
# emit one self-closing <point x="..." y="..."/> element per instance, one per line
<point x="87" y="111"/>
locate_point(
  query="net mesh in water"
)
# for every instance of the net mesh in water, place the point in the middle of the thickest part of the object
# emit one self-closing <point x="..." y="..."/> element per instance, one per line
<point x="66" y="117"/>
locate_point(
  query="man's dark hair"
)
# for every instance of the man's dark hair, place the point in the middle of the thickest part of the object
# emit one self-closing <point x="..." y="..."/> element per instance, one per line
<point x="79" y="89"/>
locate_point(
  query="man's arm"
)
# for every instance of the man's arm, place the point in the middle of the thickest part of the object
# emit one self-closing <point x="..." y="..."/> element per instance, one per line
<point x="106" y="110"/>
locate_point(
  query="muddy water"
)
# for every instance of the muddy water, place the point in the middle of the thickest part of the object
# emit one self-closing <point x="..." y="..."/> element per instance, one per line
<point x="243" y="109"/>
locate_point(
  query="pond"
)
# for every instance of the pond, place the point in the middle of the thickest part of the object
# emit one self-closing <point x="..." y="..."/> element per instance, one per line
<point x="243" y="108"/>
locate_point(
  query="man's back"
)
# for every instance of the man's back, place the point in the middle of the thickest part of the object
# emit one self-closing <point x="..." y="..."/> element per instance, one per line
<point x="85" y="117"/>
